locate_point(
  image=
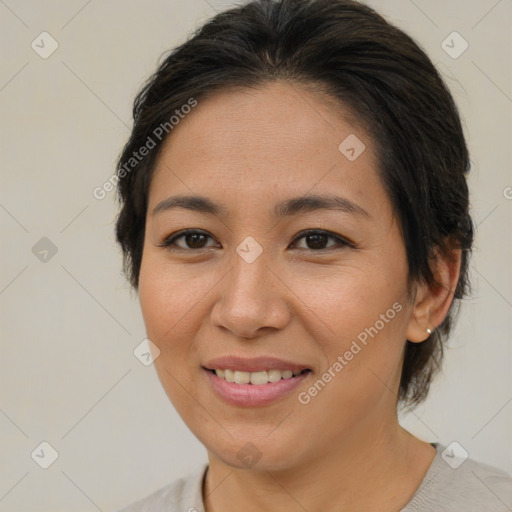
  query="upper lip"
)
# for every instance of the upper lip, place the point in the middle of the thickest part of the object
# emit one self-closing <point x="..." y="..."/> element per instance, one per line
<point x="254" y="364"/>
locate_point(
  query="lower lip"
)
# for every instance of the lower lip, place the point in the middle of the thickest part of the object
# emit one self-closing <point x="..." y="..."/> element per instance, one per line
<point x="251" y="395"/>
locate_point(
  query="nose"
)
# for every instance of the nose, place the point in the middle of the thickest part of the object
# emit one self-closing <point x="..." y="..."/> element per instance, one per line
<point x="251" y="300"/>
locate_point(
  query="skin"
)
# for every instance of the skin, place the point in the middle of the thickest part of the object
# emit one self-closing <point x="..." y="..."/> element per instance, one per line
<point x="249" y="149"/>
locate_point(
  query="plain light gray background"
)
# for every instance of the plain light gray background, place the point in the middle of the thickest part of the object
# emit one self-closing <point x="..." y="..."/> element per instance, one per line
<point x="69" y="324"/>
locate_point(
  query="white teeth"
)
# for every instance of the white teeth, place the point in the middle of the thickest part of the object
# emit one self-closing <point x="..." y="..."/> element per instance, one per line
<point x="274" y="375"/>
<point x="259" y="378"/>
<point x="242" y="377"/>
<point x="256" y="378"/>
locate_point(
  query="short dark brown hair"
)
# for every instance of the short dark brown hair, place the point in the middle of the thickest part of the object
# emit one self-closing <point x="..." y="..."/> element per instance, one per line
<point x="374" y="69"/>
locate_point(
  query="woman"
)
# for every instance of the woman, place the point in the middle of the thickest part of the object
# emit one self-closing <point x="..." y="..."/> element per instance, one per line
<point x="295" y="220"/>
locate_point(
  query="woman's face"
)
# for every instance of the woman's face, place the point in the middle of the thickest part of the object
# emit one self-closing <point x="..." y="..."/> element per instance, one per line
<point x="251" y="284"/>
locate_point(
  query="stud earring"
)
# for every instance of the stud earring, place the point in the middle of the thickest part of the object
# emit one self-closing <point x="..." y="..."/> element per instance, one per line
<point x="429" y="331"/>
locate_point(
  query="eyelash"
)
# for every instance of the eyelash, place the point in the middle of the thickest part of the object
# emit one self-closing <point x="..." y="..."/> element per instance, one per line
<point x="341" y="242"/>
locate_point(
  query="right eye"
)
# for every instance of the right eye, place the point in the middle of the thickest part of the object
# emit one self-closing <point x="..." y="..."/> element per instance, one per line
<point x="193" y="240"/>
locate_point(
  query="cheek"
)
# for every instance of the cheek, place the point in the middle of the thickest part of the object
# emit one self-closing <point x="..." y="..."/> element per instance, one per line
<point x="166" y="294"/>
<point x="175" y="305"/>
<point x="364" y="311"/>
<point x="164" y="304"/>
<point x="362" y="353"/>
<point x="170" y="306"/>
<point x="355" y="298"/>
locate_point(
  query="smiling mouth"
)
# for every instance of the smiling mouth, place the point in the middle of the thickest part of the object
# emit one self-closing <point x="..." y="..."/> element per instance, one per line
<point x="256" y="378"/>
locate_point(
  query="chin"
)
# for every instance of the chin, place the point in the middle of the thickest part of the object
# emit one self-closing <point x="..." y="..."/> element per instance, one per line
<point x="256" y="455"/>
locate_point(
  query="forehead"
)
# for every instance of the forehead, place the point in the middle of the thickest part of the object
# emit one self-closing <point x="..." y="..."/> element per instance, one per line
<point x="278" y="118"/>
<point x="280" y="139"/>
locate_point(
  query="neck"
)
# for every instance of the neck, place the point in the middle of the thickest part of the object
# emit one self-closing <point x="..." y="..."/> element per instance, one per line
<point x="352" y="474"/>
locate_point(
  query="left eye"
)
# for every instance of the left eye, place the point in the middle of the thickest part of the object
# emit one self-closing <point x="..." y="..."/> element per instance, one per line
<point x="193" y="239"/>
<point x="315" y="240"/>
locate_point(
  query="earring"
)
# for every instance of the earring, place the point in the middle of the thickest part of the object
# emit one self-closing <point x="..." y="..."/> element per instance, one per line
<point x="429" y="331"/>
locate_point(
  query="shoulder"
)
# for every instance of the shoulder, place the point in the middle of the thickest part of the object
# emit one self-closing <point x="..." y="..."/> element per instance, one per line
<point x="483" y="487"/>
<point x="183" y="495"/>
<point x="451" y="485"/>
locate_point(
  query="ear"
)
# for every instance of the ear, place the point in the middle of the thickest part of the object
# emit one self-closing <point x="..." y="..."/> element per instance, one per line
<point x="432" y="302"/>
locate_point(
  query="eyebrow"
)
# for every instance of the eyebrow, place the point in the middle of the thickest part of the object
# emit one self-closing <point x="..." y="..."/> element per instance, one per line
<point x="293" y="206"/>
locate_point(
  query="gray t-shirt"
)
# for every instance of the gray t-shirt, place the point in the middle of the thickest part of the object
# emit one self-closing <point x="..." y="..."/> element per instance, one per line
<point x="471" y="487"/>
